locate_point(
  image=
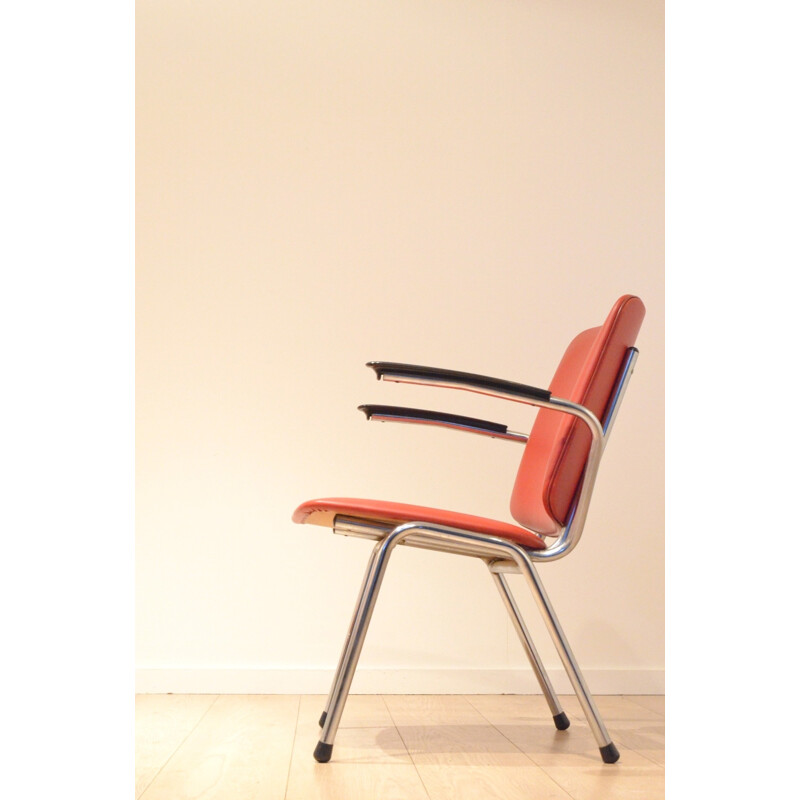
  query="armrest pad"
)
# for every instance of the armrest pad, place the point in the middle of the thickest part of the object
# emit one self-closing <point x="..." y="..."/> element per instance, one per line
<point x="400" y="414"/>
<point x="411" y="373"/>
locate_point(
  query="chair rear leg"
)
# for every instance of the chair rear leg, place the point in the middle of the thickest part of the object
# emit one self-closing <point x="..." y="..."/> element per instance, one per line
<point x="376" y="569"/>
<point x="608" y="750"/>
<point x="559" y="717"/>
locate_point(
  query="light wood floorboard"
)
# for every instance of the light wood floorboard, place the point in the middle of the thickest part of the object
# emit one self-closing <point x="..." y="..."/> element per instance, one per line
<point x="459" y="754"/>
<point x="241" y="748"/>
<point x="394" y="747"/>
<point x="655" y="702"/>
<point x="571" y="757"/>
<point x="370" y="760"/>
<point x="163" y="721"/>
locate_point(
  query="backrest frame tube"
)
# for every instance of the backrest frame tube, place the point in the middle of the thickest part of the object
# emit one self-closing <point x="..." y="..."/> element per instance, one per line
<point x="571" y="532"/>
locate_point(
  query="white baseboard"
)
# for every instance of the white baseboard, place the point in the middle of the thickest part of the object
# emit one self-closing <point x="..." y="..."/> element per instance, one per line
<point x="391" y="681"/>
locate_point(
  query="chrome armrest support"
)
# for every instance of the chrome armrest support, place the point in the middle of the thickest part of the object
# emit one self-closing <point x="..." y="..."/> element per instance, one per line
<point x="530" y="395"/>
<point x="439" y="419"/>
<point x="571" y="533"/>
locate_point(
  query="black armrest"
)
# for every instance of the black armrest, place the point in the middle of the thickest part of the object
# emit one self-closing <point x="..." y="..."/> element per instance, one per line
<point x="411" y="373"/>
<point x="424" y="417"/>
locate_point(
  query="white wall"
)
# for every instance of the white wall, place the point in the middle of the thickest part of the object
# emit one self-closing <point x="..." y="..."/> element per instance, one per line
<point x="463" y="184"/>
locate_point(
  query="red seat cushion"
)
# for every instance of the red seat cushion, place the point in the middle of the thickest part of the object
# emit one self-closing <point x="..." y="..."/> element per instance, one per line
<point x="322" y="512"/>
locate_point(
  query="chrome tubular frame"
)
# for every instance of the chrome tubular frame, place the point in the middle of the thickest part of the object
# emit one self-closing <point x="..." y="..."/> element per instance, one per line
<point x="570" y="534"/>
<point x="619" y="390"/>
<point x="491" y="549"/>
<point x="501" y="556"/>
<point x="336" y="686"/>
<point x="530" y="649"/>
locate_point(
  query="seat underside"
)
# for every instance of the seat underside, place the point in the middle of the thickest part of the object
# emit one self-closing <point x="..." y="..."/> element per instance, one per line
<point x="323" y="512"/>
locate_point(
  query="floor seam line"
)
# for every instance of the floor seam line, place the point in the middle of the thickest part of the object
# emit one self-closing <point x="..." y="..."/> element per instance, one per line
<point x="619" y="735"/>
<point x="642" y="705"/>
<point x="527" y="755"/>
<point x="411" y="758"/>
<point x="294" y="744"/>
<point x="182" y="742"/>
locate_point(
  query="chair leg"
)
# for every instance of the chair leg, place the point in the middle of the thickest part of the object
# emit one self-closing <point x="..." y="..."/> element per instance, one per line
<point x="337" y="677"/>
<point x="608" y="750"/>
<point x="376" y="569"/>
<point x="559" y="717"/>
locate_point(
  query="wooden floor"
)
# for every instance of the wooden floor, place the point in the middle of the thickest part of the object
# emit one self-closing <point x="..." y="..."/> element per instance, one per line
<point x="407" y="747"/>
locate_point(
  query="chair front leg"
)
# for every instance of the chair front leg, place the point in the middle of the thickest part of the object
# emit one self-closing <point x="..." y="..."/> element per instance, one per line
<point x="559" y="717"/>
<point x="608" y="750"/>
<point x="376" y="569"/>
<point x="344" y="656"/>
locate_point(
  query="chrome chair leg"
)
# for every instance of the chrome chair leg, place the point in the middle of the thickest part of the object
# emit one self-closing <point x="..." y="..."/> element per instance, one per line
<point x="376" y="569"/>
<point x="559" y="717"/>
<point x="343" y="657"/>
<point x="608" y="750"/>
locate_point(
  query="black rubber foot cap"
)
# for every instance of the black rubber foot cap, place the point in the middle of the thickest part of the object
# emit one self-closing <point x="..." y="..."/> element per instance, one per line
<point x="322" y="752"/>
<point x="562" y="721"/>
<point x="609" y="752"/>
<point x="323" y="718"/>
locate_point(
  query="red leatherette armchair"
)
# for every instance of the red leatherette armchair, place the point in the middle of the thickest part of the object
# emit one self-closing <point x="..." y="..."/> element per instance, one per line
<point x="549" y="500"/>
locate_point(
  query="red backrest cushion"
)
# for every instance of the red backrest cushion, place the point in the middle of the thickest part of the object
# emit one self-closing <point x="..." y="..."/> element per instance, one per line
<point x="556" y="452"/>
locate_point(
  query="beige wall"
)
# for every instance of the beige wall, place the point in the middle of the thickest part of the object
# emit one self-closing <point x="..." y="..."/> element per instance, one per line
<point x="462" y="184"/>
